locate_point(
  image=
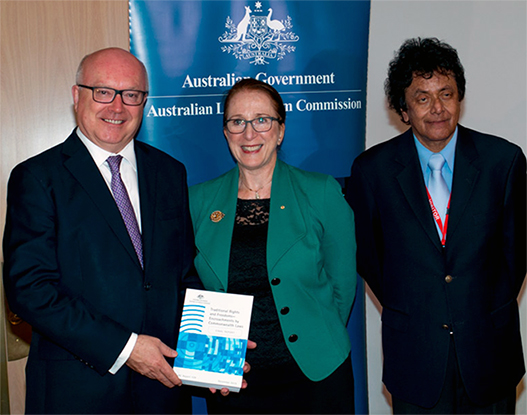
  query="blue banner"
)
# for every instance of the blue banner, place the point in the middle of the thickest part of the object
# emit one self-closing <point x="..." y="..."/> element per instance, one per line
<point x="313" y="52"/>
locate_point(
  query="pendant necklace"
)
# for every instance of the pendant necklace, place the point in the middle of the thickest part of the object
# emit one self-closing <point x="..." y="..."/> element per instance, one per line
<point x="256" y="194"/>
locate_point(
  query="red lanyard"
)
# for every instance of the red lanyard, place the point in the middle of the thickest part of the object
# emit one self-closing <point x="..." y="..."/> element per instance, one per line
<point x="437" y="217"/>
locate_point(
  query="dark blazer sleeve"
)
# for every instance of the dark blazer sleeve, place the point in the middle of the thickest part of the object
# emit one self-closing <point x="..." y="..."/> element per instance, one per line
<point x="515" y="212"/>
<point x="360" y="195"/>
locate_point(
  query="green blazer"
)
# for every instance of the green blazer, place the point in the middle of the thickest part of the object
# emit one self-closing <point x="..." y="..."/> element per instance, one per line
<point x="310" y="258"/>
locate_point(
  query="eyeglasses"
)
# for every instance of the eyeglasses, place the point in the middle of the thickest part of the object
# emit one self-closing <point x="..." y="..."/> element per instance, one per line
<point x="260" y="124"/>
<point x="104" y="95"/>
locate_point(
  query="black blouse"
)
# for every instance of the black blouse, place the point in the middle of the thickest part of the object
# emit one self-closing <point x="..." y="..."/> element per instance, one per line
<point x="248" y="275"/>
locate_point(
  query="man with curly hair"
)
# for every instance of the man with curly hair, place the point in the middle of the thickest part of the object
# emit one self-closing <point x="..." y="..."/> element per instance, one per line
<point x="440" y="216"/>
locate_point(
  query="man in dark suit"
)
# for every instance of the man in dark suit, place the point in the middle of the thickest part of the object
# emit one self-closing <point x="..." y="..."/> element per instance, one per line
<point x="442" y="246"/>
<point x="98" y="278"/>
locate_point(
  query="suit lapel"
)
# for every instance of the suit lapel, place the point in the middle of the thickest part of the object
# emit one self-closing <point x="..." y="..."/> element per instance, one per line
<point x="412" y="184"/>
<point x="214" y="240"/>
<point x="464" y="180"/>
<point x="81" y="165"/>
<point x="147" y="178"/>
<point x="285" y="213"/>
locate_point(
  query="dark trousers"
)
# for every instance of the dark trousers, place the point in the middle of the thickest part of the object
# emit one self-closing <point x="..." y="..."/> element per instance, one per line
<point x="454" y="398"/>
<point x="286" y="390"/>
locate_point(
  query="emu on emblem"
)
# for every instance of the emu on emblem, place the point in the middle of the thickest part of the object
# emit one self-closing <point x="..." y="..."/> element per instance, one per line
<point x="258" y="37"/>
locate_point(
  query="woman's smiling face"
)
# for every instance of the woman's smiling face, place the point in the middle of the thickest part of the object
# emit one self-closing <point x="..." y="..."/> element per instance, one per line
<point x="253" y="150"/>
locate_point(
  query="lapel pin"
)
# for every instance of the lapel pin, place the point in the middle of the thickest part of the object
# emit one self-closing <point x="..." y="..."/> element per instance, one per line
<point x="216" y="216"/>
<point x="282" y="207"/>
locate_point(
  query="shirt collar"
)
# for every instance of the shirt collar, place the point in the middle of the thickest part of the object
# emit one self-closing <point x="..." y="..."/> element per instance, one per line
<point x="448" y="152"/>
<point x="100" y="155"/>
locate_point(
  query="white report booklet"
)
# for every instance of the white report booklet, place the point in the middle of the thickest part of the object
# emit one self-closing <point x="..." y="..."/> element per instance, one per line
<point x="212" y="339"/>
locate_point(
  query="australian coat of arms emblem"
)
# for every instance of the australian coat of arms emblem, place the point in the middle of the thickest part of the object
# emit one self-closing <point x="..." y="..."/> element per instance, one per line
<point x="258" y="37"/>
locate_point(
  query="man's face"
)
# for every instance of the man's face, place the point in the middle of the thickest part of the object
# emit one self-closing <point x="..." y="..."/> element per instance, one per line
<point x="433" y="109"/>
<point x="110" y="126"/>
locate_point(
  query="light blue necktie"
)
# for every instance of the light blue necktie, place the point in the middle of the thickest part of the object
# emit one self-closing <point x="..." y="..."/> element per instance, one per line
<point x="125" y="206"/>
<point x="437" y="186"/>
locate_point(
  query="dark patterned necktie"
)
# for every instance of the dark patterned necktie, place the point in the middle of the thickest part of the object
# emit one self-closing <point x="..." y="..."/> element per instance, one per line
<point x="125" y="206"/>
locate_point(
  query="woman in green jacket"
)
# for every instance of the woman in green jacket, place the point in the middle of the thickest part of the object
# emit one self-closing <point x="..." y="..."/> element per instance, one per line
<point x="285" y="236"/>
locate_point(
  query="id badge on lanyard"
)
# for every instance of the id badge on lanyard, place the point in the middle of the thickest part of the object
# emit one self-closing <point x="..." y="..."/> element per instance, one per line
<point x="442" y="226"/>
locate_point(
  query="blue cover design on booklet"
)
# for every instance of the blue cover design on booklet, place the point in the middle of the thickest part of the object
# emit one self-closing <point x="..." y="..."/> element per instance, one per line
<point x="211" y="353"/>
<point x="192" y="318"/>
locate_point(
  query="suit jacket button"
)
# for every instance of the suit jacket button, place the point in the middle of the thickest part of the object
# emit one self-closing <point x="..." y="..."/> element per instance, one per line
<point x="147" y="286"/>
<point x="293" y="338"/>
<point x="275" y="281"/>
<point x="448" y="279"/>
<point x="284" y="311"/>
<point x="445" y="327"/>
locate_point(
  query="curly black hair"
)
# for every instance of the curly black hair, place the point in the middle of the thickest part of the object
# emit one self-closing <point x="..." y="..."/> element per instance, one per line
<point x="421" y="57"/>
